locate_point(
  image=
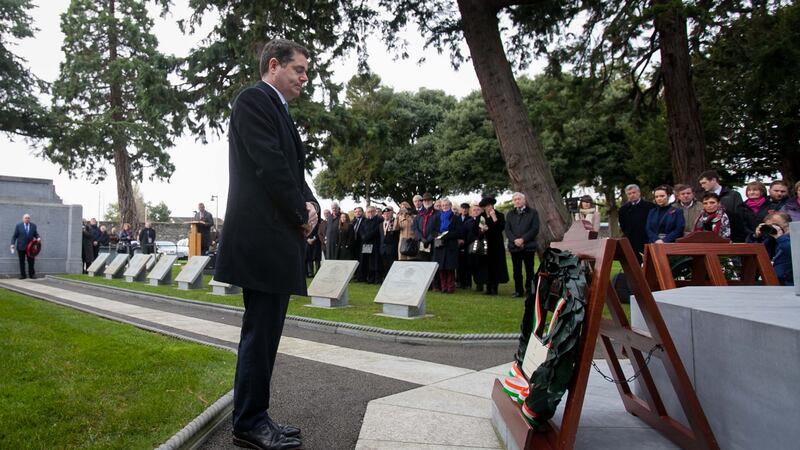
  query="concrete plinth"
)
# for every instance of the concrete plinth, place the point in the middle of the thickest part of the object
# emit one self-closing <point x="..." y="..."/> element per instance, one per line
<point x="196" y="284"/>
<point x="404" y="311"/>
<point x="325" y="302"/>
<point x="220" y="288"/>
<point x="740" y="347"/>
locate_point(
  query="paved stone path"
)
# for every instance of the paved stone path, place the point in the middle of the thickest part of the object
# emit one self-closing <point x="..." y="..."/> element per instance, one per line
<point x="409" y="397"/>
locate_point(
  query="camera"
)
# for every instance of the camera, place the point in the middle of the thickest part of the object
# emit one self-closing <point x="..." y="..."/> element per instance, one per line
<point x="768" y="229"/>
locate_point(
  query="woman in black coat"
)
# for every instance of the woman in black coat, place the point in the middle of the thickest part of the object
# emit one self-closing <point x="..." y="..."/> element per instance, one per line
<point x="496" y="252"/>
<point x="313" y="252"/>
<point x="345" y="244"/>
<point x="446" y="233"/>
<point x="478" y="263"/>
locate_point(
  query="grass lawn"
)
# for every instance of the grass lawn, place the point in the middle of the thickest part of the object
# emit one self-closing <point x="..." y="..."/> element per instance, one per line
<point x="72" y="380"/>
<point x="463" y="312"/>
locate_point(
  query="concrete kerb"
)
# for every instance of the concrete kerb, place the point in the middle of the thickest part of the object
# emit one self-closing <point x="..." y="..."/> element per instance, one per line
<point x="198" y="430"/>
<point x="327" y="326"/>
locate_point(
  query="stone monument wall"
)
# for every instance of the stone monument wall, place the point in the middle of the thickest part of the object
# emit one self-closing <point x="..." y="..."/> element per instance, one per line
<point x="59" y="225"/>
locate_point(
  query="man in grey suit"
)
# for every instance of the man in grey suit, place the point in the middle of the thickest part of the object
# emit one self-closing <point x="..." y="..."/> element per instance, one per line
<point x="262" y="248"/>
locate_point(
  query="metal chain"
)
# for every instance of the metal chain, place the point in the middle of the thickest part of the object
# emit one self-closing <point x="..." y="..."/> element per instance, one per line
<point x="635" y="375"/>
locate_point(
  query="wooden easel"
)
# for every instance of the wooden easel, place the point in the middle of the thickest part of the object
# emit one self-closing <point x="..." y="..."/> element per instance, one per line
<point x="705" y="248"/>
<point x="600" y="254"/>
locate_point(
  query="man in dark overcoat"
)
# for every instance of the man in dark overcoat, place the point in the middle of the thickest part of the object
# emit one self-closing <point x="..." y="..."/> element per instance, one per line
<point x="370" y="234"/>
<point x="270" y="210"/>
<point x="522" y="228"/>
<point x="24" y="233"/>
<point x="633" y="219"/>
<point x="332" y="232"/>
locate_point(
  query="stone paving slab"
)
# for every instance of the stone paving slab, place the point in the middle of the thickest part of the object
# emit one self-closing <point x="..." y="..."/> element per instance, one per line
<point x="432" y="398"/>
<point x="400" y="424"/>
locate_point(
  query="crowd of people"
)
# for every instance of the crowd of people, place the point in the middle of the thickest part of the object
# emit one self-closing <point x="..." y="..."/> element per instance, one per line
<point x="467" y="241"/>
<point x="764" y="216"/>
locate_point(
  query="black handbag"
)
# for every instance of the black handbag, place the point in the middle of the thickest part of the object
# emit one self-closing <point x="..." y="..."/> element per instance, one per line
<point x="409" y="247"/>
<point x="478" y="247"/>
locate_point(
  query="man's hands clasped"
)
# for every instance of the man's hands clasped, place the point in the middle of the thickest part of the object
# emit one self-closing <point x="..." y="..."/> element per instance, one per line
<point x="313" y="218"/>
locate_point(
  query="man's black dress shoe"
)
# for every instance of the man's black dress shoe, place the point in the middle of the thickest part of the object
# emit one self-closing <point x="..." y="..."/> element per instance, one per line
<point x="265" y="438"/>
<point x="286" y="430"/>
<point x="517" y="295"/>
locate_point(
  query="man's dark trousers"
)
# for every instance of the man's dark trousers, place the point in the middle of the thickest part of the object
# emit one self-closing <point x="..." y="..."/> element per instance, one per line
<point x="262" y="325"/>
<point x="517" y="260"/>
<point x="23" y="255"/>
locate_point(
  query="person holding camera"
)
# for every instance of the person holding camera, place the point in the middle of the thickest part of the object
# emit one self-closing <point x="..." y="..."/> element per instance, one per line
<point x="774" y="233"/>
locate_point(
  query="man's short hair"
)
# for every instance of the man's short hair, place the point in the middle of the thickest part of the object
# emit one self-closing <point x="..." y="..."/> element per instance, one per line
<point x="416" y="197"/>
<point x="681" y="187"/>
<point x="632" y="187"/>
<point x="709" y="175"/>
<point x="518" y="193"/>
<point x="781" y="182"/>
<point x="281" y="49"/>
<point x="465" y="206"/>
<point x="358" y="207"/>
<point x="786" y="217"/>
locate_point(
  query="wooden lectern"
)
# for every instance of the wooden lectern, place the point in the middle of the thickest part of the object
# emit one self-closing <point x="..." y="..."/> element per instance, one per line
<point x="195" y="240"/>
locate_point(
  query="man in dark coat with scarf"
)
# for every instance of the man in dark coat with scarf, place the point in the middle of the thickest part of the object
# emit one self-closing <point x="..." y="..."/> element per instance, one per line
<point x="633" y="219"/>
<point x="270" y="210"/>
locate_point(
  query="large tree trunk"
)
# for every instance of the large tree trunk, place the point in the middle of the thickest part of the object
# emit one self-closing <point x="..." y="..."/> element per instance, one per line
<point x="683" y="111"/>
<point x="122" y="164"/>
<point x="610" y="193"/>
<point x="521" y="150"/>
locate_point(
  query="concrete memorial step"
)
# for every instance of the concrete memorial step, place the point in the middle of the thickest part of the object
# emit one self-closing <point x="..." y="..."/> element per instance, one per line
<point x="137" y="266"/>
<point x="191" y="277"/>
<point x="161" y="273"/>
<point x="116" y="267"/>
<point x="99" y="264"/>
<point x="328" y="289"/>
<point x="402" y="293"/>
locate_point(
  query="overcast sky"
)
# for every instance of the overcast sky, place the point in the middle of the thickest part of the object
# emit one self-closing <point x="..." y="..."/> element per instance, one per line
<point x="201" y="170"/>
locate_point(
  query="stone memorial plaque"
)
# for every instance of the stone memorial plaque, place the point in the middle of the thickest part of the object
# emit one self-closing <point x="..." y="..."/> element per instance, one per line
<point x="161" y="274"/>
<point x="191" y="277"/>
<point x="152" y="261"/>
<point x="99" y="264"/>
<point x="220" y="288"/>
<point x="403" y="291"/>
<point x="115" y="268"/>
<point x="328" y="289"/>
<point x="794" y="230"/>
<point x="136" y="267"/>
